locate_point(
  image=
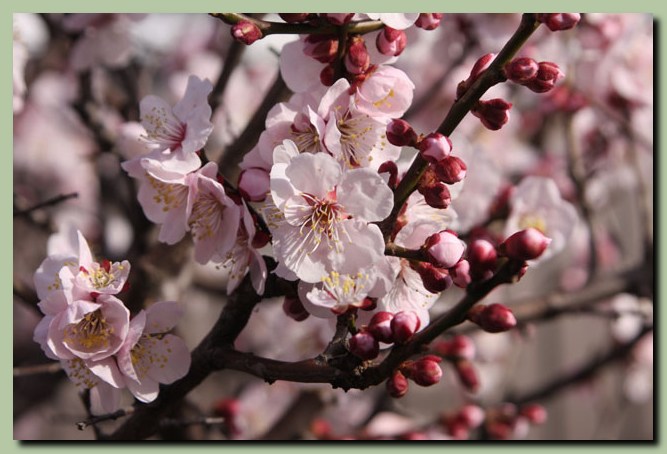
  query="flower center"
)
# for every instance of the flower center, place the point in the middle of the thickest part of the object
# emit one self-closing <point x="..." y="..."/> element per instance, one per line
<point x="170" y="196"/>
<point x="385" y="100"/>
<point x="346" y="289"/>
<point x="166" y="130"/>
<point x="322" y="220"/>
<point x="307" y="141"/>
<point x="92" y="332"/>
<point x="206" y="217"/>
<point x="356" y="140"/>
<point x="144" y="355"/>
<point x="101" y="276"/>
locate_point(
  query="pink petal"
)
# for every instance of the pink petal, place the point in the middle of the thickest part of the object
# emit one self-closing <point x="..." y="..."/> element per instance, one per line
<point x="163" y="316"/>
<point x="365" y="195"/>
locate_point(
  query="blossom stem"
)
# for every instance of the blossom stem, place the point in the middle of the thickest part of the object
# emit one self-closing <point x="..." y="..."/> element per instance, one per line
<point x="458" y="111"/>
<point x="395" y="250"/>
<point x="279" y="28"/>
<point x="45" y="204"/>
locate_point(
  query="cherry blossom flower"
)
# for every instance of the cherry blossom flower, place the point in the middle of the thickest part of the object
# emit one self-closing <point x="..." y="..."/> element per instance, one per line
<point x="243" y="257"/>
<point x="339" y="292"/>
<point x="399" y="21"/>
<point x="323" y="214"/>
<point x="387" y="92"/>
<point x="213" y="218"/>
<point x="149" y="356"/>
<point x="186" y="126"/>
<point x="537" y="203"/>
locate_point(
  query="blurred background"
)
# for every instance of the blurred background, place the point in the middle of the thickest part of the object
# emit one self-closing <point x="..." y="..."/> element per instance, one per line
<point x="583" y="348"/>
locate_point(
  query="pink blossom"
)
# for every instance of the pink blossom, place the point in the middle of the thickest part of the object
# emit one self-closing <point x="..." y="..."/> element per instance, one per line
<point x="103" y="379"/>
<point x="399" y="21"/>
<point x="387" y="92"/>
<point x="213" y="218"/>
<point x="149" y="356"/>
<point x="186" y="126"/>
<point x="537" y="203"/>
<point x="323" y="214"/>
<point x="339" y="292"/>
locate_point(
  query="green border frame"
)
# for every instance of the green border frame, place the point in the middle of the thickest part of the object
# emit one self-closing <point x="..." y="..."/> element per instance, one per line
<point x="6" y="434"/>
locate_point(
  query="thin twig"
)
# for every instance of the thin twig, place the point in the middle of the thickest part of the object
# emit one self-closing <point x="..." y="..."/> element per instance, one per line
<point x="93" y="420"/>
<point x="45" y="204"/>
<point x="26" y="371"/>
<point x="231" y="61"/>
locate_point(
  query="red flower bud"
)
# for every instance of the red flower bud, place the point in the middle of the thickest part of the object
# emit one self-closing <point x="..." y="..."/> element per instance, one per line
<point x="246" y="32"/>
<point x="480" y="66"/>
<point x="559" y="21"/>
<point x="494" y="113"/>
<point x="404" y="325"/>
<point x="460" y="274"/>
<point x="397" y="385"/>
<point x="260" y="239"/>
<point x="548" y="74"/>
<point x="294" y="309"/>
<point x="436" y="194"/>
<point x="526" y="244"/>
<point x="327" y="76"/>
<point x="357" y="60"/>
<point x="494" y="318"/>
<point x="322" y="48"/>
<point x="482" y="258"/>
<point x="425" y="371"/>
<point x="390" y="168"/>
<point x="380" y="327"/>
<point x="400" y="133"/>
<point x="435" y="147"/>
<point x="521" y="70"/>
<point x="429" y="21"/>
<point x="294" y="18"/>
<point x="450" y="170"/>
<point x="467" y="374"/>
<point x="535" y="413"/>
<point x="444" y="249"/>
<point x="458" y="347"/>
<point x="364" y="345"/>
<point x="254" y="184"/>
<point x="391" y="42"/>
<point x="435" y="280"/>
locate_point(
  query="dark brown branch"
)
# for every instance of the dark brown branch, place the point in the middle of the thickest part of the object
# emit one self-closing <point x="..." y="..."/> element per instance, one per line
<point x="45" y="204"/>
<point x="458" y="111"/>
<point x="584" y="373"/>
<point x="234" y="153"/>
<point x="93" y="420"/>
<point x="231" y="61"/>
<point x="323" y="28"/>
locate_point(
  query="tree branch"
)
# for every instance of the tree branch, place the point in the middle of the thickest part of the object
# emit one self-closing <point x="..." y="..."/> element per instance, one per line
<point x="45" y="204"/>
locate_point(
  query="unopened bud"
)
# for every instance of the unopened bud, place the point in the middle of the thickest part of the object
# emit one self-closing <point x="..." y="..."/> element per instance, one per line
<point x="482" y="258"/>
<point x="391" y="41"/>
<point x="467" y="374"/>
<point x="327" y="76"/>
<point x="294" y="18"/>
<point x="499" y="430"/>
<point x="390" y="168"/>
<point x="535" y="413"/>
<point x="380" y="327"/>
<point x="460" y="274"/>
<point x="246" y="32"/>
<point x="294" y="309"/>
<point x="435" y="147"/>
<point x="397" y="385"/>
<point x="494" y="318"/>
<point x="357" y="60"/>
<point x="260" y="239"/>
<point x="521" y="70"/>
<point x="338" y="18"/>
<point x="364" y="345"/>
<point x="429" y="21"/>
<point x="559" y="21"/>
<point x="444" y="249"/>
<point x="425" y="371"/>
<point x="526" y="244"/>
<point x="404" y="325"/>
<point x="494" y="113"/>
<point x="450" y="170"/>
<point x="548" y="74"/>
<point x="322" y="48"/>
<point x="436" y="195"/>
<point x="458" y="347"/>
<point x="472" y="415"/>
<point x="254" y="184"/>
<point x="481" y="65"/>
<point x="400" y="133"/>
<point x="435" y="279"/>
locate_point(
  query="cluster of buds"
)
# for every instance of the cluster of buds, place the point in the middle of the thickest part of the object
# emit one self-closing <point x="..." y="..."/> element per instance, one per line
<point x="443" y="251"/>
<point x="492" y="318"/>
<point x="429" y="21"/>
<point x="459" y="424"/>
<point x="384" y="327"/>
<point x="559" y="21"/>
<point x="507" y="421"/>
<point x="494" y="113"/>
<point x="424" y="371"/>
<point x="539" y="77"/>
